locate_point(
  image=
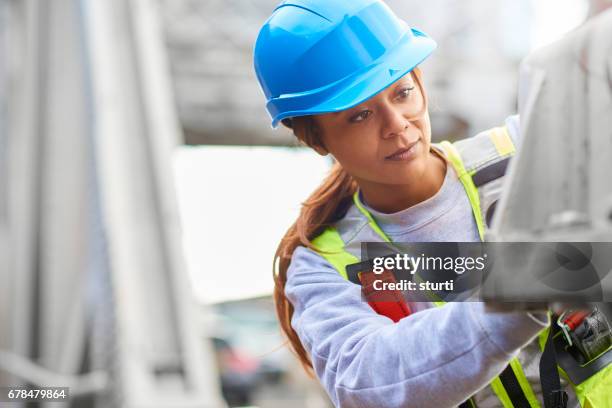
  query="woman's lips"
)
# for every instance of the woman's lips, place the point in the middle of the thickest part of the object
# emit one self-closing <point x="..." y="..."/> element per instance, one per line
<point x="403" y="154"/>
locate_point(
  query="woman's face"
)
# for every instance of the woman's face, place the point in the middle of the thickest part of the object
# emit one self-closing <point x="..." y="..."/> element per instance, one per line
<point x="385" y="139"/>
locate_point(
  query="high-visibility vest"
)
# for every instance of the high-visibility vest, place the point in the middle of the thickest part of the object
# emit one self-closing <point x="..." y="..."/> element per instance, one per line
<point x="480" y="162"/>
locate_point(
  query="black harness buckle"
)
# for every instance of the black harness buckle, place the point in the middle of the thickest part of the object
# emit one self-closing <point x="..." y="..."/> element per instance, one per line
<point x="559" y="399"/>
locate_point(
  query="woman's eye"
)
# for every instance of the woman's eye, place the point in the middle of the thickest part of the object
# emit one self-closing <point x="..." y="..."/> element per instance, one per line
<point x="361" y="116"/>
<point x="405" y="92"/>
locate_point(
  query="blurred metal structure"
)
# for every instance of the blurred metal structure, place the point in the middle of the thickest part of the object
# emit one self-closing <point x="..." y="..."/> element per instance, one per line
<point x="559" y="187"/>
<point x="210" y="44"/>
<point x="94" y="293"/>
<point x="470" y="77"/>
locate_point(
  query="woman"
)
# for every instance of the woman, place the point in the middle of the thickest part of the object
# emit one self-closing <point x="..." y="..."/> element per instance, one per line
<point x="343" y="76"/>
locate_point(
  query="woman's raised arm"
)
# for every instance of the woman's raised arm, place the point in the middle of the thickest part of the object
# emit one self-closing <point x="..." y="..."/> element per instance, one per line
<point x="435" y="358"/>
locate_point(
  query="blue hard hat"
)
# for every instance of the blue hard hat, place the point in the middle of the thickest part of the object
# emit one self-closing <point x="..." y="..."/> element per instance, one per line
<point x="320" y="56"/>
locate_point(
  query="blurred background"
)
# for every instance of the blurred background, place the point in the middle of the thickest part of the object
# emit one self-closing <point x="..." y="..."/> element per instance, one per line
<point x="143" y="192"/>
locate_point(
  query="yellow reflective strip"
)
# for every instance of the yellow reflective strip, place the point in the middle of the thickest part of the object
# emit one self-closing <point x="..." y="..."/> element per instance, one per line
<point x="543" y="336"/>
<point x="371" y="221"/>
<point x="595" y="391"/>
<point x="500" y="391"/>
<point x="468" y="185"/>
<point x="524" y="383"/>
<point x="502" y="141"/>
<point x="331" y="247"/>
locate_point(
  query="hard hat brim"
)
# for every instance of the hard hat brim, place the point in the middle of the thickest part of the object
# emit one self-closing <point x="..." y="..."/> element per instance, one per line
<point x="409" y="52"/>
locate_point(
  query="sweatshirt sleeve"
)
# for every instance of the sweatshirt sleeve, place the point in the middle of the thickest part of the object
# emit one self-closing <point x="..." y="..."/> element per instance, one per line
<point x="438" y="357"/>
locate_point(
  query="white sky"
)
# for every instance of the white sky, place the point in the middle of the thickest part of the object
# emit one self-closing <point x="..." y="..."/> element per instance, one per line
<point x="236" y="203"/>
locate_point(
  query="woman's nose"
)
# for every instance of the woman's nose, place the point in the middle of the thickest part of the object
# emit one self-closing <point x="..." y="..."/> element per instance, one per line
<point x="394" y="122"/>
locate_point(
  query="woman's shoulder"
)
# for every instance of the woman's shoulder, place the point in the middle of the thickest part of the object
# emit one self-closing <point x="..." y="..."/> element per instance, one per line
<point x="510" y="128"/>
<point x="490" y="145"/>
<point x="309" y="275"/>
<point x="305" y="260"/>
<point x="511" y="125"/>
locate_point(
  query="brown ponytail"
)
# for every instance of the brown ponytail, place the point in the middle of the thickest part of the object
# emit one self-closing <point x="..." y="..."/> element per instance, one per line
<point x="326" y="205"/>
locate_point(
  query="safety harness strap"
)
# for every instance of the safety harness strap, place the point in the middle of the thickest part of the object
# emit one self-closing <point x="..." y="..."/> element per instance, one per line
<point x="370" y="219"/>
<point x="490" y="172"/>
<point x="554" y="395"/>
<point x="468" y="404"/>
<point x="513" y="388"/>
<point x="468" y="184"/>
<point x="330" y="246"/>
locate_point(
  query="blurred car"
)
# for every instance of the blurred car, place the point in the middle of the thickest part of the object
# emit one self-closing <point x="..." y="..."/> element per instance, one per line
<point x="239" y="373"/>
